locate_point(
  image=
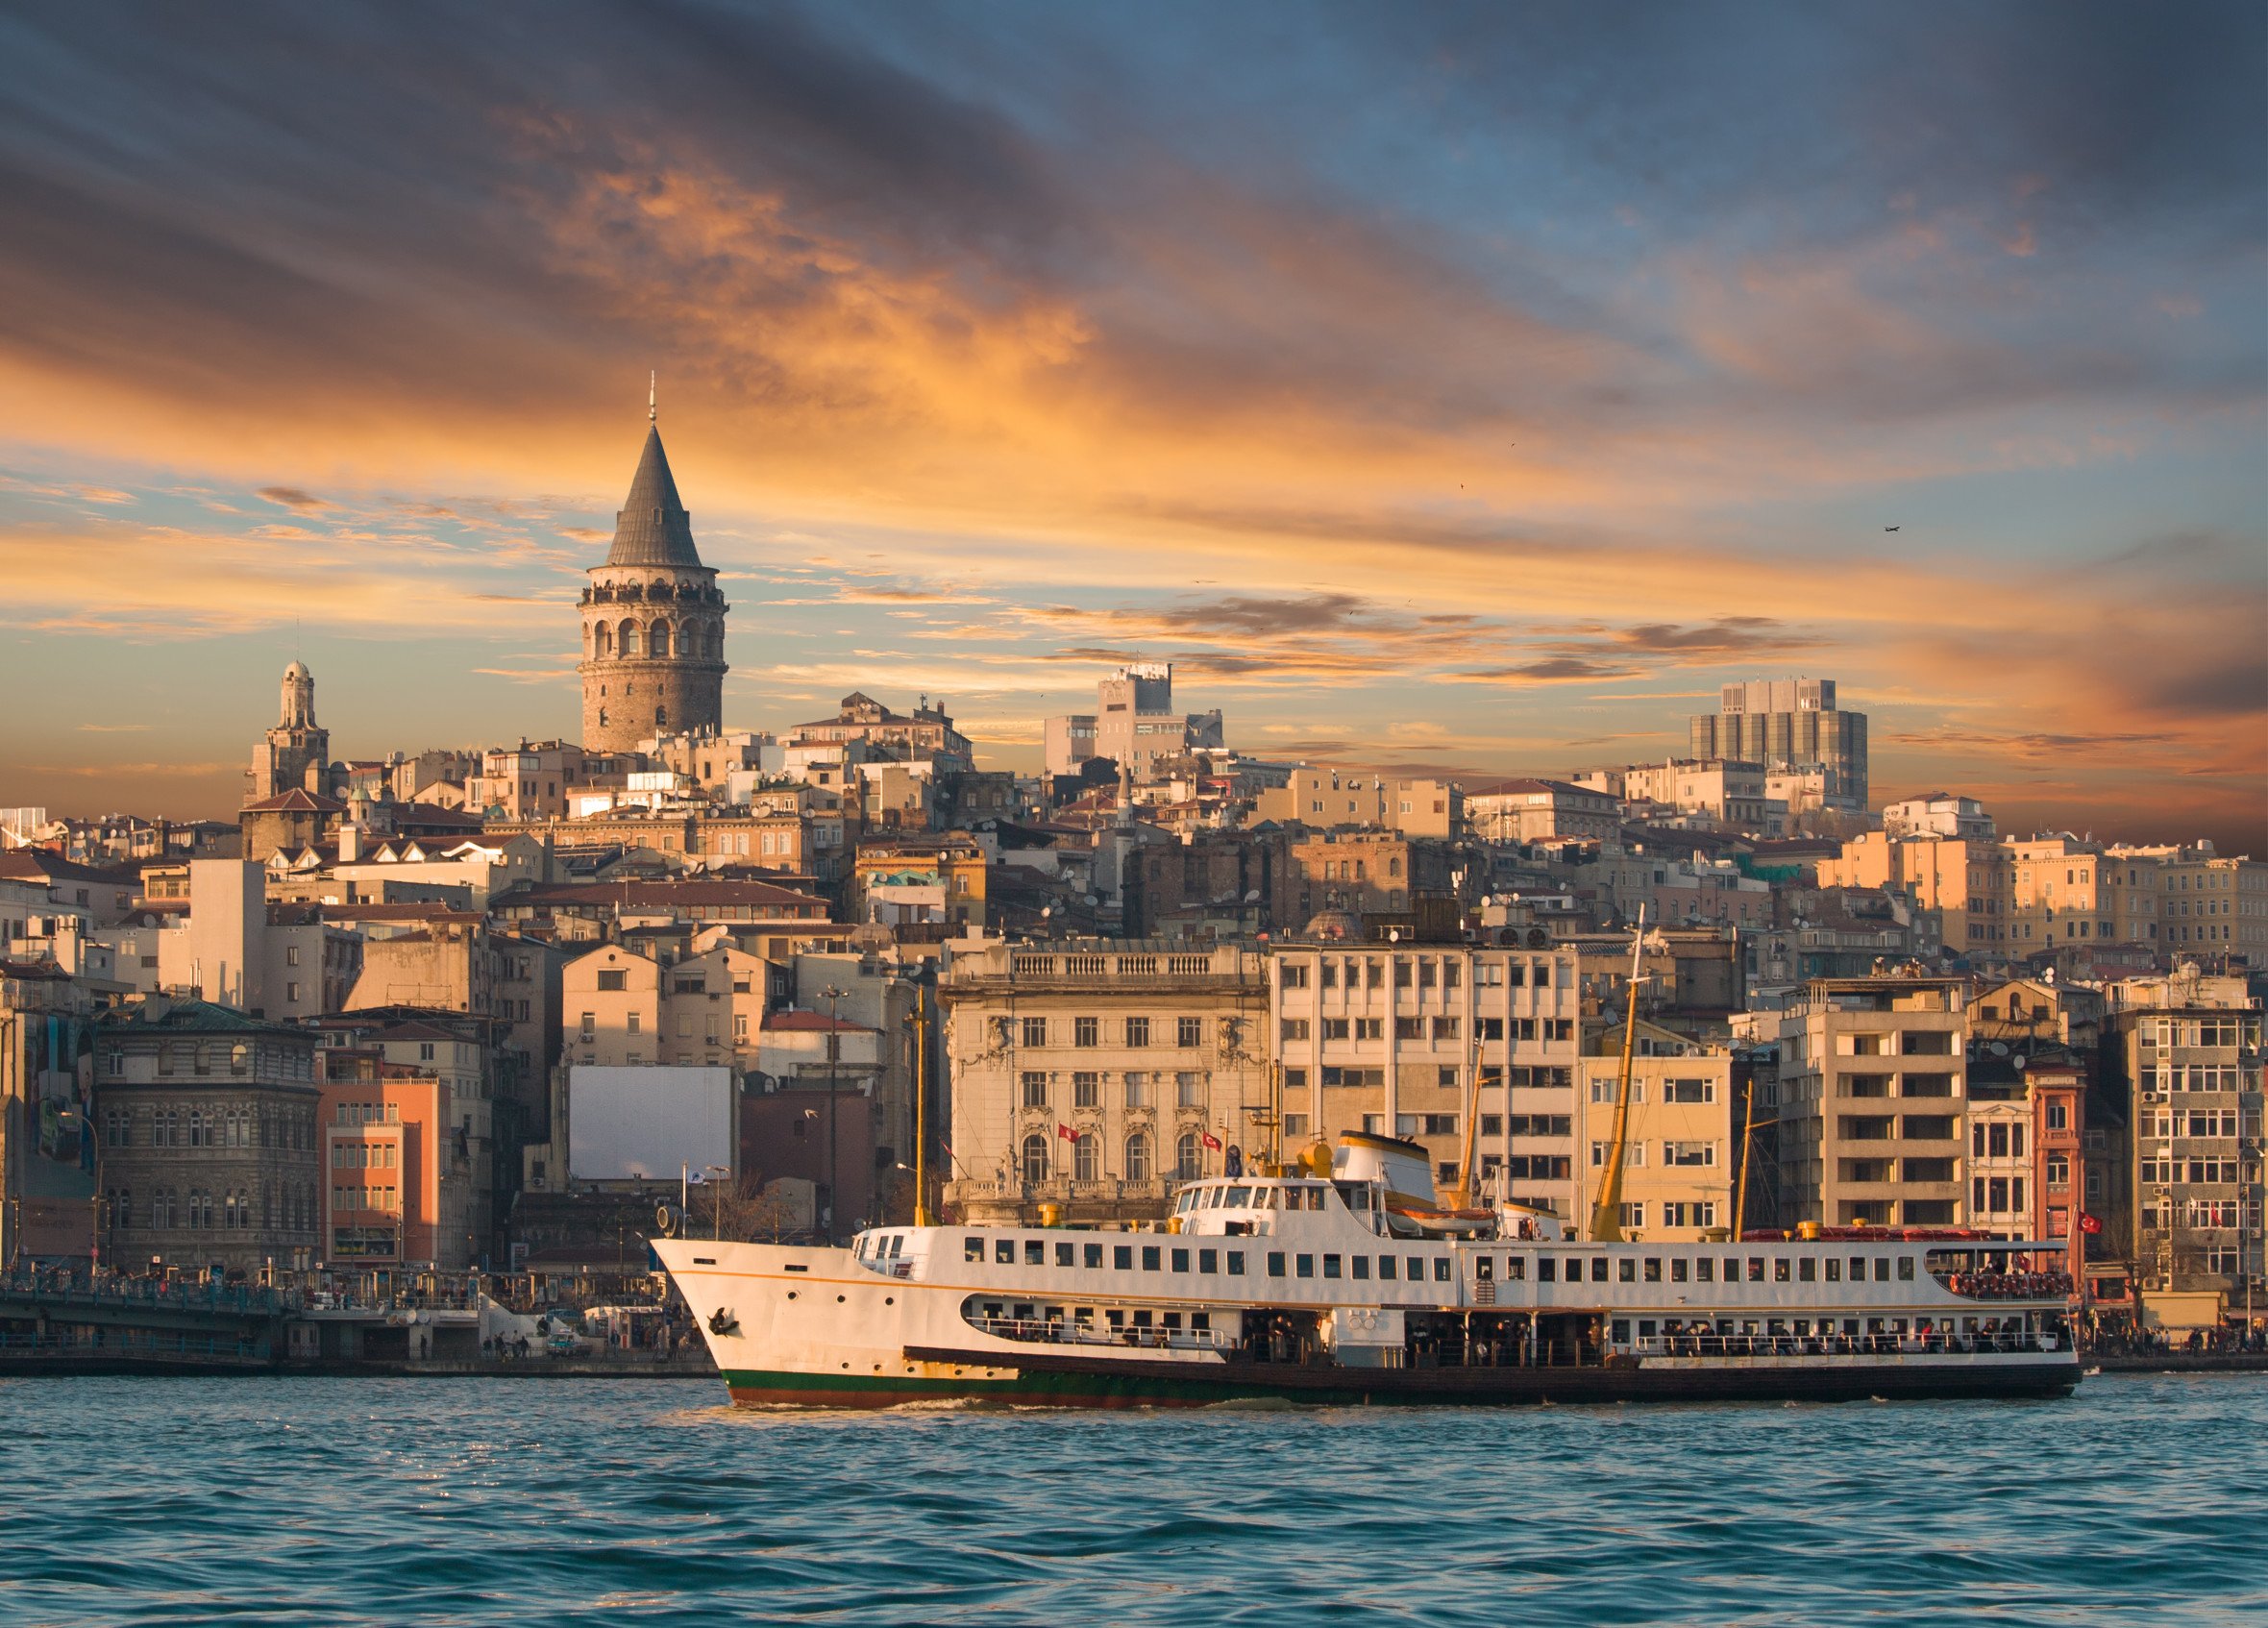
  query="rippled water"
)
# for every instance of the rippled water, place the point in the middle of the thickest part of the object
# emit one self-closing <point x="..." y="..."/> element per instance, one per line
<point x="507" y="1502"/>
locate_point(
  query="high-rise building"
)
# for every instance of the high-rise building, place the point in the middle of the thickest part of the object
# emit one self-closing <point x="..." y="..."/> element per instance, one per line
<point x="1786" y="725"/>
<point x="652" y="621"/>
<point x="1133" y="723"/>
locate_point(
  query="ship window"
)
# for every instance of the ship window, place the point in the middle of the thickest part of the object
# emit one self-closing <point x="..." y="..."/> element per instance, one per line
<point x="1621" y="1331"/>
<point x="1484" y="1268"/>
<point x="1756" y="1268"/>
<point x="1779" y="1269"/>
<point x="1857" y="1268"/>
<point x="1645" y="1328"/>
<point x="1093" y="1253"/>
<point x="1905" y="1268"/>
<point x="1626" y="1269"/>
<point x="1065" y="1254"/>
<point x="1200" y="1322"/>
<point x="1881" y="1269"/>
<point x="1181" y="1259"/>
<point x="1236" y="1263"/>
<point x="1598" y="1268"/>
<point x="1417" y="1272"/>
<point x="1303" y="1266"/>
<point x="1386" y="1268"/>
<point x="972" y="1248"/>
<point x="1149" y="1257"/>
<point x="1807" y="1269"/>
<point x="1240" y="1197"/>
<point x="1142" y="1320"/>
<point x="1208" y="1260"/>
<point x="1547" y="1268"/>
<point x="1441" y="1268"/>
<point x="1276" y="1263"/>
<point x="1121" y="1257"/>
<point x="1330" y="1266"/>
<point x="1516" y="1269"/>
<point x="1004" y="1251"/>
<point x="1116" y="1319"/>
<point x="1677" y="1269"/>
<point x="1360" y="1266"/>
<point x="1035" y="1253"/>
<point x="1834" y="1270"/>
<point x="1653" y="1269"/>
<point x="1705" y="1269"/>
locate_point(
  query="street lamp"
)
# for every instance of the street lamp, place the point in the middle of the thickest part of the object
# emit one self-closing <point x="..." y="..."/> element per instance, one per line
<point x="834" y="1199"/>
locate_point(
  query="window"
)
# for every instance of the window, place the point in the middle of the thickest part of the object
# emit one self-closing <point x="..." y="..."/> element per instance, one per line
<point x="1035" y="1031"/>
<point x="616" y="978"/>
<point x="1688" y="1091"/>
<point x="1138" y="1156"/>
<point x="1137" y="1031"/>
<point x="1137" y="1089"/>
<point x="1295" y="1028"/>
<point x="1189" y="1157"/>
<point x="1295" y="976"/>
<point x="1035" y="1159"/>
<point x="1085" y="1155"/>
<point x="1086" y="1091"/>
<point x="1189" y="1031"/>
<point x="1086" y="1032"/>
<point x="1303" y="1266"/>
<point x="1035" y="1089"/>
<point x="1188" y="1090"/>
<point x="1334" y="1028"/>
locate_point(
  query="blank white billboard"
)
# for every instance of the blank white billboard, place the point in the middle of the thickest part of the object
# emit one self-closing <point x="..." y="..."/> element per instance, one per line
<point x="647" y="1122"/>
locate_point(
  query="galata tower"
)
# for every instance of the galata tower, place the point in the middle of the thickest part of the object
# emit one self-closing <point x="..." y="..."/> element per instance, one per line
<point x="652" y="621"/>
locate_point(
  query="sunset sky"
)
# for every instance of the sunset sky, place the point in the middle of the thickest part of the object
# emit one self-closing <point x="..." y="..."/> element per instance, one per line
<point x="1468" y="388"/>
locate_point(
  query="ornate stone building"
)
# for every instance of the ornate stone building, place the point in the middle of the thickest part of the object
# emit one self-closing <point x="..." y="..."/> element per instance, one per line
<point x="295" y="755"/>
<point x="652" y="622"/>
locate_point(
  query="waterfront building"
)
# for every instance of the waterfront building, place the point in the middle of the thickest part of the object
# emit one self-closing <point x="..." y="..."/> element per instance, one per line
<point x="209" y="1155"/>
<point x="1094" y="1075"/>
<point x="1872" y="1102"/>
<point x="48" y="1156"/>
<point x="398" y="1187"/>
<point x="1405" y="1040"/>
<point x="652" y="621"/>
<point x="630" y="1009"/>
<point x="1681" y="1145"/>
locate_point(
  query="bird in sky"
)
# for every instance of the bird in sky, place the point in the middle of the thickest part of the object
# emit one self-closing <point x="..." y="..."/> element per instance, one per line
<point x="1890" y="528"/>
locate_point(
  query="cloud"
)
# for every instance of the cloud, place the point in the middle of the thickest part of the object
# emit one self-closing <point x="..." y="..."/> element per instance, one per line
<point x="292" y="496"/>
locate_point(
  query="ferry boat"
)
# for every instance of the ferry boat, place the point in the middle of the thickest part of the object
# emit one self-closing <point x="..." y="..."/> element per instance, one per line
<point x="1340" y="1279"/>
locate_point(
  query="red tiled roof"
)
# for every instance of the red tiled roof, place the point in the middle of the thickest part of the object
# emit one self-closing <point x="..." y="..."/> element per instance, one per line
<point x="296" y="801"/>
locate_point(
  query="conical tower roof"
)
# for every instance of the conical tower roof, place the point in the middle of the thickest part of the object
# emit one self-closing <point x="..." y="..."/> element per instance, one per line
<point x="653" y="527"/>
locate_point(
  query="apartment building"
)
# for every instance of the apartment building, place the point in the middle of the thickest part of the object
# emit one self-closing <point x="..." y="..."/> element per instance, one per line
<point x="1872" y="1102"/>
<point x="1682" y="1153"/>
<point x="1092" y="1075"/>
<point x="627" y="1010"/>
<point x="1407" y="1039"/>
<point x="1531" y="810"/>
<point x="1726" y="791"/>
<point x="2190" y="1063"/>
<point x="2215" y="905"/>
<point x="1327" y="798"/>
<point x="1134" y="724"/>
<point x="1370" y="872"/>
<point x="398" y="1187"/>
<point x="1966" y="879"/>
<point x="1789" y="724"/>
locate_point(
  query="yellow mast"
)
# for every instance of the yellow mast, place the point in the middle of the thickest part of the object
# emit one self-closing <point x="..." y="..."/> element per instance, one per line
<point x="1473" y="1103"/>
<point x="1747" y="1145"/>
<point x="1606" y="1214"/>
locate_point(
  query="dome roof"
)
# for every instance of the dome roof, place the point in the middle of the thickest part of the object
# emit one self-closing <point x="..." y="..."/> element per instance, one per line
<point x="297" y="670"/>
<point x="872" y="938"/>
<point x="1333" y="924"/>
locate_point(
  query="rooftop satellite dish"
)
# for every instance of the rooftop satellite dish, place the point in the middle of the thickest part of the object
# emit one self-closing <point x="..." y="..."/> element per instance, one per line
<point x="1393" y="935"/>
<point x="1254" y="896"/>
<point x="2018" y="1060"/>
<point x="1093" y="899"/>
<point x="1999" y="1048"/>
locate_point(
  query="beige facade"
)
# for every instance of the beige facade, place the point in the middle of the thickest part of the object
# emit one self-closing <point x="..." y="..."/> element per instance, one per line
<point x="1542" y="811"/>
<point x="1406" y="1039"/>
<point x="1965" y="881"/>
<point x="1727" y="791"/>
<point x="2195" y="1076"/>
<point x="1872" y="1102"/>
<point x="1682" y="1142"/>
<point x="1324" y="798"/>
<point x="627" y="1010"/>
<point x="1139" y="1050"/>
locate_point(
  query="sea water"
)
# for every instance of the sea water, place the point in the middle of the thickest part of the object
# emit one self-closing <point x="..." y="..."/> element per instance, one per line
<point x="490" y="1501"/>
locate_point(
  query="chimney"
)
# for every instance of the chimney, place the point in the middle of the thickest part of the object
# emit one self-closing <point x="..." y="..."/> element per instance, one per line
<point x="350" y="842"/>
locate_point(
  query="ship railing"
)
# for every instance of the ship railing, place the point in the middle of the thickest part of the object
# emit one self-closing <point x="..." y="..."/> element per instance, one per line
<point x="2007" y="1285"/>
<point x="1054" y="1331"/>
<point x="1843" y="1345"/>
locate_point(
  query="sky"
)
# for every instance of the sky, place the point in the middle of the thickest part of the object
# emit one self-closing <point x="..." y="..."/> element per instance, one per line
<point x="1471" y="390"/>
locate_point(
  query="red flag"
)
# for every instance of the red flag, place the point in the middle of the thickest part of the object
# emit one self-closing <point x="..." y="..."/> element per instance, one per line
<point x="1066" y="1133"/>
<point x="1213" y="1142"/>
<point x="2089" y="1223"/>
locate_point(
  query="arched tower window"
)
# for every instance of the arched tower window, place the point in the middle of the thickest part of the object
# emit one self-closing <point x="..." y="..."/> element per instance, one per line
<point x="1138" y="1156"/>
<point x="661" y="717"/>
<point x="1189" y="1163"/>
<point x="629" y="639"/>
<point x="1084" y="1157"/>
<point x="604" y="639"/>
<point x="661" y="638"/>
<point x="1035" y="1158"/>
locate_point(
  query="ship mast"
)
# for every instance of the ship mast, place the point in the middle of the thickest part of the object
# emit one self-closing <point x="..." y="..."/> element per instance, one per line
<point x="1606" y="1214"/>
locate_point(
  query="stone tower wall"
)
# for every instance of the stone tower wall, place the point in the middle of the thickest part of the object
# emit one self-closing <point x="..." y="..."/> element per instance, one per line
<point x="627" y="697"/>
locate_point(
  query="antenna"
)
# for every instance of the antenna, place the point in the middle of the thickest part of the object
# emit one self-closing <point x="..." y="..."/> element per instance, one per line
<point x="650" y="378"/>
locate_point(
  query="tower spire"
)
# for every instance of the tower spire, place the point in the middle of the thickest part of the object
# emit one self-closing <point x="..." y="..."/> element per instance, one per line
<point x="650" y="377"/>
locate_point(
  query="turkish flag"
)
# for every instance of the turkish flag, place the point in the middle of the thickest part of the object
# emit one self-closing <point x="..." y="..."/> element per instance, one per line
<point x="1066" y="1133"/>
<point x="1213" y="1142"/>
<point x="2089" y="1223"/>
